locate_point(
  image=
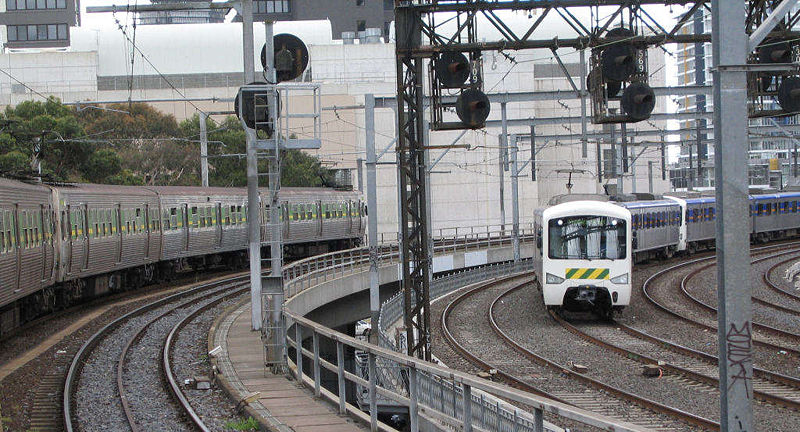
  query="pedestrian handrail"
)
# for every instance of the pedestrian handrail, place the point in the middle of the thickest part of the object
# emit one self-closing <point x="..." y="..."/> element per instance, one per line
<point x="420" y="397"/>
<point x="306" y="273"/>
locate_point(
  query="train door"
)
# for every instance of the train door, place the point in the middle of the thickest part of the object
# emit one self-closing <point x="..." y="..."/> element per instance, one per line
<point x="84" y="219"/>
<point x="118" y="229"/>
<point x="43" y="231"/>
<point x="349" y="209"/>
<point x="286" y="211"/>
<point x="319" y="218"/>
<point x="218" y="224"/>
<point x="185" y="220"/>
<point x="17" y="249"/>
<point x="72" y="234"/>
<point x="147" y="230"/>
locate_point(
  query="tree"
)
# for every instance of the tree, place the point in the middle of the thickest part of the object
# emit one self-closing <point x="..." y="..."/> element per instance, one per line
<point x="101" y="166"/>
<point x="227" y="139"/>
<point x="52" y="128"/>
<point x="149" y="144"/>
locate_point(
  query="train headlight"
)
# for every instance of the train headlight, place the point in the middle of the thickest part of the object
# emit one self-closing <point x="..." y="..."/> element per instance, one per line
<point x="553" y="279"/>
<point x="622" y="279"/>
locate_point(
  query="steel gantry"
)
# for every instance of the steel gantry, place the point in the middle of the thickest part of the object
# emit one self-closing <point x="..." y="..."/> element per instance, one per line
<point x="419" y="37"/>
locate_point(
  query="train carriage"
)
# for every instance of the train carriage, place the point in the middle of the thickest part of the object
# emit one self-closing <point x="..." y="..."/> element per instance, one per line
<point x="105" y="230"/>
<point x="200" y="223"/>
<point x="583" y="256"/>
<point x="656" y="227"/>
<point x="27" y="252"/>
<point x="774" y="215"/>
<point x="320" y="221"/>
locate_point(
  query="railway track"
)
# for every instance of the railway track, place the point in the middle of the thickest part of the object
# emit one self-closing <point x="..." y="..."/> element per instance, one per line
<point x="104" y="369"/>
<point x="692" y="365"/>
<point x="511" y="359"/>
<point x="764" y="335"/>
<point x="767" y="278"/>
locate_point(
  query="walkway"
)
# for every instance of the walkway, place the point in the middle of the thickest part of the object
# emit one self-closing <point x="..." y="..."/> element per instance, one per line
<point x="281" y="403"/>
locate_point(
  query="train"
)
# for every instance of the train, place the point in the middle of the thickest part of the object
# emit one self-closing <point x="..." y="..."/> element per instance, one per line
<point x="60" y="244"/>
<point x="580" y="261"/>
<point x="583" y="255"/>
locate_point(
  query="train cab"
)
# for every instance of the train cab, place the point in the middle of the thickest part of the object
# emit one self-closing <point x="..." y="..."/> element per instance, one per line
<point x="583" y="258"/>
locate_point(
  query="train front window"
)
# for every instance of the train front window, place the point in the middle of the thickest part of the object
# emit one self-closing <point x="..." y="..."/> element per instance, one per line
<point x="587" y="237"/>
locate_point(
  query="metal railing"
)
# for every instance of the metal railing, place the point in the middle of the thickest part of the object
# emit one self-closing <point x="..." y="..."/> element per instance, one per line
<point x="304" y="274"/>
<point x="488" y="411"/>
<point x="424" y="396"/>
<point x="425" y="388"/>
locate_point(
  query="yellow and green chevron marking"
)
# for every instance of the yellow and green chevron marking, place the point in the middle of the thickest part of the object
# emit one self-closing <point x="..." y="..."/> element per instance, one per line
<point x="587" y="273"/>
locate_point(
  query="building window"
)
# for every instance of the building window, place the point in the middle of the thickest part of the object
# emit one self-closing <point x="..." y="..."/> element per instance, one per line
<point x="359" y="2"/>
<point x="361" y="25"/>
<point x="23" y="33"/>
<point x="271" y="6"/>
<point x="13" y="5"/>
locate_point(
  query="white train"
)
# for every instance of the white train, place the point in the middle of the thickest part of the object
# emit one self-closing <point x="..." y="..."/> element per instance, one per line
<point x="583" y="257"/>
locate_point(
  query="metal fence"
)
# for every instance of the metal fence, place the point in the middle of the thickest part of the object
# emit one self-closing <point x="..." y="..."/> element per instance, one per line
<point x="424" y="388"/>
<point x="447" y="397"/>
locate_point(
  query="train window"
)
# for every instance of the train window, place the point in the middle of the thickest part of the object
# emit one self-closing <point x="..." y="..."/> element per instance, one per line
<point x="310" y="211"/>
<point x="775" y="208"/>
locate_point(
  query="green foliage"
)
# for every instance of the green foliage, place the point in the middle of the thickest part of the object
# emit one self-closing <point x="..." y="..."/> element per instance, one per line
<point x="102" y="165"/>
<point x="298" y="169"/>
<point x="243" y="425"/>
<point x="134" y="144"/>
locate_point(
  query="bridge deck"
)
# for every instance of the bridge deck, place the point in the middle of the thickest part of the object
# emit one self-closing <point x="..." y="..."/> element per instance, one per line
<point x="282" y="399"/>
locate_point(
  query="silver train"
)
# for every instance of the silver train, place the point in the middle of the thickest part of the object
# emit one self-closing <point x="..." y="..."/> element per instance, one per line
<point x="672" y="225"/>
<point x="60" y="244"/>
<point x="584" y="252"/>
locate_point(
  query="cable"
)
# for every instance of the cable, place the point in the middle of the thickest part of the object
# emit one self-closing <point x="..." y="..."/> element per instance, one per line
<point x="164" y="77"/>
<point x="24" y="85"/>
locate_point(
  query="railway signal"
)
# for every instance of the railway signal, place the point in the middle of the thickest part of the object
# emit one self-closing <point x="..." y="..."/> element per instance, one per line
<point x="620" y="66"/>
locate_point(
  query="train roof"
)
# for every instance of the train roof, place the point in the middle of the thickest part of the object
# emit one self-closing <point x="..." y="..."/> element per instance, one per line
<point x="647" y="204"/>
<point x="778" y="195"/>
<point x="100" y="189"/>
<point x="16" y="184"/>
<point x="576" y="208"/>
<point x="703" y="200"/>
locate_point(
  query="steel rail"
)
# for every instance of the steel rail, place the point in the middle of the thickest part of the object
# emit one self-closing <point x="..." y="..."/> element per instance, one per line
<point x="767" y="276"/>
<point x="615" y="391"/>
<point x="83" y="353"/>
<point x="140" y="332"/>
<point x="166" y="363"/>
<point x="688" y="373"/>
<point x="756" y="325"/>
<point x="512" y="380"/>
<point x="650" y="280"/>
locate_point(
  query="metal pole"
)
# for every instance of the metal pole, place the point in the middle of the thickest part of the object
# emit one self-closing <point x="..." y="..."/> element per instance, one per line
<point x="533" y="153"/>
<point x="340" y="377"/>
<point x="515" y="197"/>
<point x="247" y="41"/>
<point x="663" y="158"/>
<point x="203" y="149"/>
<point x="584" y="143"/>
<point x="467" y="408"/>
<point x="413" y="396"/>
<point x="253" y="228"/>
<point x="650" y="176"/>
<point x="632" y="165"/>
<point x="624" y="140"/>
<point x="253" y="202"/>
<point x="360" y="174"/>
<point x="372" y="215"/>
<point x="503" y="148"/>
<point x="729" y="42"/>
